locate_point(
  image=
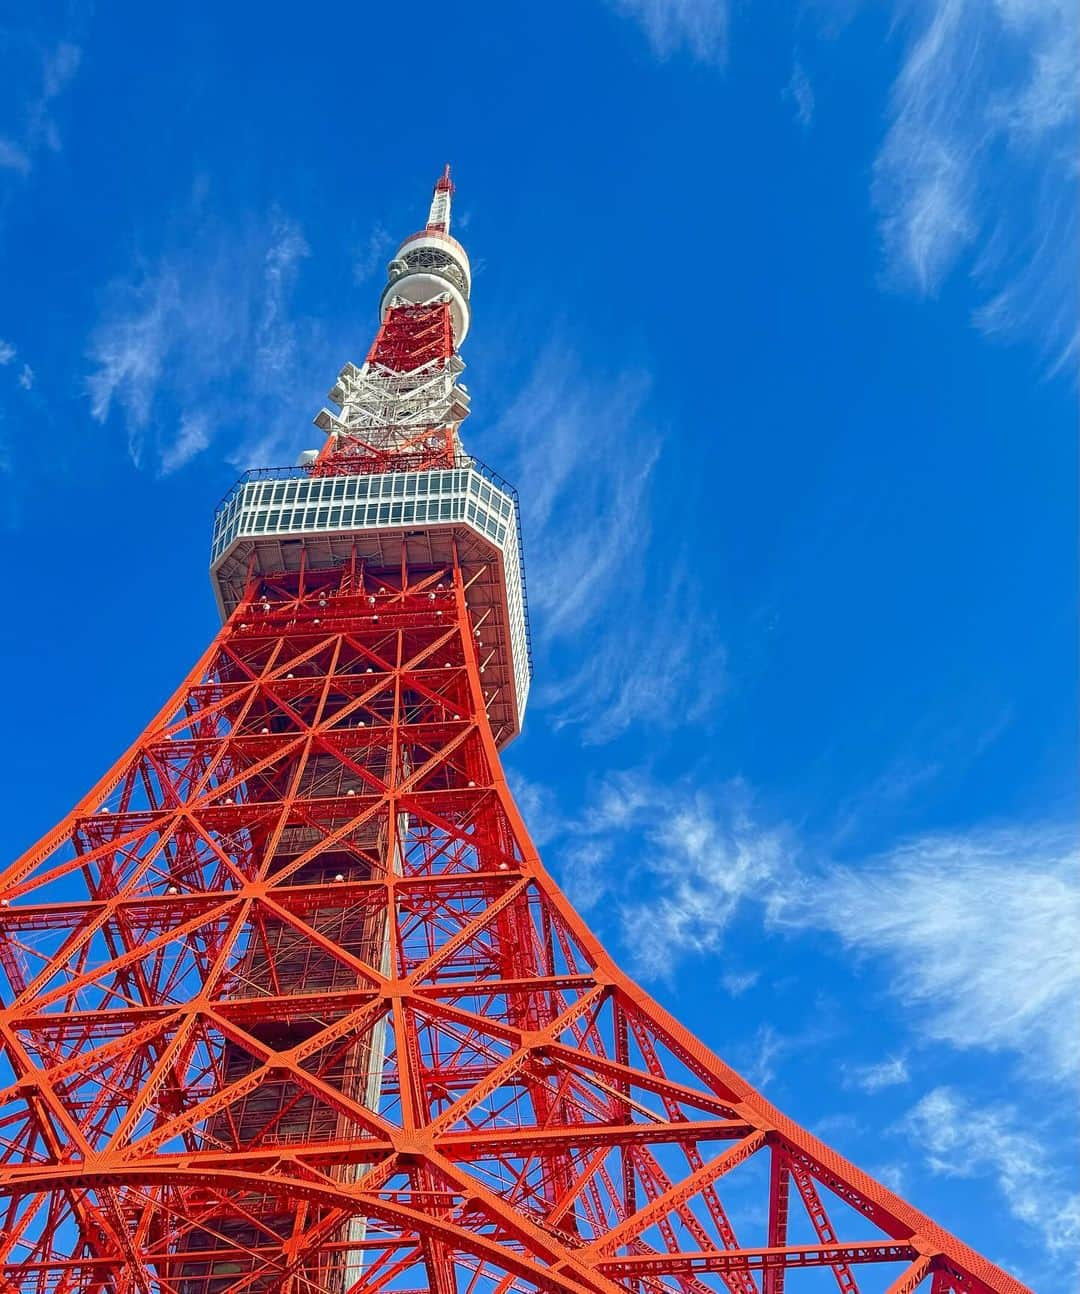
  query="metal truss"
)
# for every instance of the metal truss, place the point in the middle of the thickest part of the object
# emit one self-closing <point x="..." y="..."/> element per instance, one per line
<point x="292" y="1005"/>
<point x="403" y="407"/>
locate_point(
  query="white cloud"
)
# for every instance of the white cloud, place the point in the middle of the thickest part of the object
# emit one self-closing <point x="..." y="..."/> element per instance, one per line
<point x="699" y="26"/>
<point x="737" y="982"/>
<point x="965" y="1140"/>
<point x="690" y="860"/>
<point x="924" y="180"/>
<point x="874" y="1078"/>
<point x="192" y="438"/>
<point x="977" y="932"/>
<point x="584" y="867"/>
<point x="585" y="448"/>
<point x="7" y="352"/>
<point x="979" y="156"/>
<point x="370" y="260"/>
<point x="978" y="160"/>
<point x="980" y="931"/>
<point x="891" y="1175"/>
<point x="275" y="338"/>
<point x="768" y="1046"/>
<point x="615" y="644"/>
<point x="26" y="377"/>
<point x="38" y="128"/>
<point x="537" y="806"/>
<point x="202" y="343"/>
<point x="902" y="778"/>
<point x="129" y="350"/>
<point x="706" y="861"/>
<point x="12" y="157"/>
<point x="661" y="663"/>
<point x="58" y="68"/>
<point x="800" y="93"/>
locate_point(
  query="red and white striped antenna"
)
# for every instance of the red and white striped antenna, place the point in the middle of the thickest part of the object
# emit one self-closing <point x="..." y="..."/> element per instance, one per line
<point x="439" y="216"/>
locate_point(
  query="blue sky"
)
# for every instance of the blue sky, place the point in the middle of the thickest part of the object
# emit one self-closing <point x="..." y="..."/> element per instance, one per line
<point x="775" y="332"/>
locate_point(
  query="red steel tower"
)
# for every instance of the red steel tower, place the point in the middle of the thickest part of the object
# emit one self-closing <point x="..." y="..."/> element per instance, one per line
<point x="291" y="1003"/>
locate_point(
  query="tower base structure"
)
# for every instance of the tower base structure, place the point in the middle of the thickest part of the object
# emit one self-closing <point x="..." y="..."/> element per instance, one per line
<point x="293" y="1005"/>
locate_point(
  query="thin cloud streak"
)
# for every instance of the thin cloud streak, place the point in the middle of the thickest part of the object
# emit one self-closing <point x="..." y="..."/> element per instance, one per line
<point x="371" y="259"/>
<point x="962" y="1139"/>
<point x="875" y="1078"/>
<point x="977" y="931"/>
<point x="977" y="165"/>
<point x="38" y="129"/>
<point x="700" y="27"/>
<point x="661" y="663"/>
<point x="12" y="157"/>
<point x="980" y="931"/>
<point x="800" y="94"/>
<point x="979" y="157"/>
<point x="588" y="454"/>
<point x="696" y="859"/>
<point x="210" y="316"/>
<point x="615" y="640"/>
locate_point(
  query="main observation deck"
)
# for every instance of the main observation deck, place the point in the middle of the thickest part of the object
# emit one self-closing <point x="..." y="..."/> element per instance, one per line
<point x="272" y="515"/>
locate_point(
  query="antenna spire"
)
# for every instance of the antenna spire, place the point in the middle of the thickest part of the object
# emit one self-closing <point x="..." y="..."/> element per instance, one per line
<point x="439" y="216"/>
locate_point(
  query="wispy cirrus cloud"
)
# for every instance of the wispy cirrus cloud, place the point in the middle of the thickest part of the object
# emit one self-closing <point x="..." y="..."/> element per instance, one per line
<point x="800" y="94"/>
<point x="690" y="859"/>
<point x="706" y="859"/>
<point x="979" y="158"/>
<point x="963" y="1139"/>
<point x="8" y="352"/>
<point x="586" y="448"/>
<point x="976" y="168"/>
<point x="589" y="451"/>
<point x="700" y="27"/>
<point x="977" y="932"/>
<point x="659" y="662"/>
<point x="370" y="258"/>
<point x="201" y="342"/>
<point x="892" y="1072"/>
<point x="36" y="127"/>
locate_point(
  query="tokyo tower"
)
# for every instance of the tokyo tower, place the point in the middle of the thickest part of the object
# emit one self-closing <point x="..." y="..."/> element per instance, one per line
<point x="289" y="1002"/>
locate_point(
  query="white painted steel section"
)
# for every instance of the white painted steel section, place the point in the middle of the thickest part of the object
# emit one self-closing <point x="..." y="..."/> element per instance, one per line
<point x="386" y="409"/>
<point x="436" y="245"/>
<point x="439" y="215"/>
<point x="427" y="266"/>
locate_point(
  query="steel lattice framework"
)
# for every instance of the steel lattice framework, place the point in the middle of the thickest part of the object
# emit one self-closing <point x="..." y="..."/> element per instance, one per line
<point x="292" y="1004"/>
